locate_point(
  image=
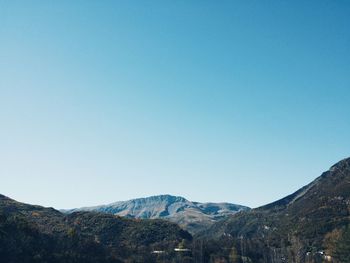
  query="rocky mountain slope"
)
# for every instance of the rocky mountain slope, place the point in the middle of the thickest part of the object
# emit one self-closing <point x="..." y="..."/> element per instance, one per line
<point x="36" y="234"/>
<point x="306" y="226"/>
<point x="192" y="216"/>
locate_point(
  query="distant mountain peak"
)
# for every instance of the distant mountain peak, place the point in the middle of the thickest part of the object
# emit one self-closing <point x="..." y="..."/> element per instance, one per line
<point x="162" y="197"/>
<point x="193" y="216"/>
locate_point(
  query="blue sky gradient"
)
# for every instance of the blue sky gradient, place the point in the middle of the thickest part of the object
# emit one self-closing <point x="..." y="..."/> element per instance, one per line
<point x="237" y="101"/>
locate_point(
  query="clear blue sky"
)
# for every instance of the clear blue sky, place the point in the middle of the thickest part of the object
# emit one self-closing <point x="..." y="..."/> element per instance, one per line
<point x="238" y="101"/>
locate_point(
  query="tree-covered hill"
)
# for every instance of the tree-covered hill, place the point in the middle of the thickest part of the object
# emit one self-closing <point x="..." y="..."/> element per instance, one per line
<point x="37" y="234"/>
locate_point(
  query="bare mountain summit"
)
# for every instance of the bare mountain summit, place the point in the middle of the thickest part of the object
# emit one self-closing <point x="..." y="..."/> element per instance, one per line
<point x="192" y="216"/>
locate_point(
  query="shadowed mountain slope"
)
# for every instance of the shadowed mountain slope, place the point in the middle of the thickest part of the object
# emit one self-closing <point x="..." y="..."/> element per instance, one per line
<point x="302" y="227"/>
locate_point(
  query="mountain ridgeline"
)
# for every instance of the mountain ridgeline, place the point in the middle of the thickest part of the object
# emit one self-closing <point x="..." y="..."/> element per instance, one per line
<point x="311" y="225"/>
<point x="192" y="216"/>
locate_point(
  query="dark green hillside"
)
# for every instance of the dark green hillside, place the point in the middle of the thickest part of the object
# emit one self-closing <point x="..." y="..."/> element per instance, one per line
<point x="307" y="226"/>
<point x="125" y="237"/>
<point x="36" y="234"/>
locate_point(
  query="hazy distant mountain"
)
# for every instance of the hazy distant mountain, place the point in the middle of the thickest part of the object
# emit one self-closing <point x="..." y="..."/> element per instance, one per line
<point x="310" y="225"/>
<point x="192" y="216"/>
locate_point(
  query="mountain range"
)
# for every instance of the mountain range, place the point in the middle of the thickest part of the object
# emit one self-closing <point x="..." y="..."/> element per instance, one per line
<point x="311" y="225"/>
<point x="192" y="216"/>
